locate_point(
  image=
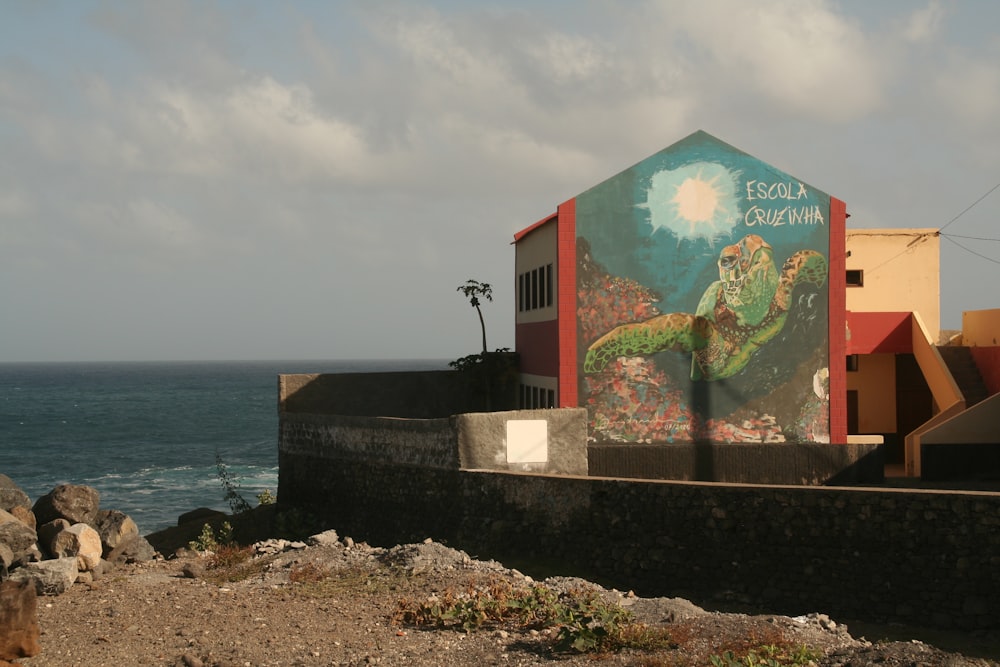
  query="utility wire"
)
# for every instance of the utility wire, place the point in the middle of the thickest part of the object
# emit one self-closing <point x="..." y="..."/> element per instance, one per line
<point x="950" y="237"/>
<point x="971" y="238"/>
<point x="988" y="259"/>
<point x="969" y="207"/>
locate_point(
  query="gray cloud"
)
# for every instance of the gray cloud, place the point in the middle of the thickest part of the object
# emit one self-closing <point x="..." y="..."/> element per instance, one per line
<point x="186" y="180"/>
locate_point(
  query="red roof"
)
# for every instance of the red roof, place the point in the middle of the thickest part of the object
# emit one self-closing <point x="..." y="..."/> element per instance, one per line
<point x="527" y="230"/>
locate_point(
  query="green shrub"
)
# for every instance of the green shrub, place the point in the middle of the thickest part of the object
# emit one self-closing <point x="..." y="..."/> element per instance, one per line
<point x="583" y="620"/>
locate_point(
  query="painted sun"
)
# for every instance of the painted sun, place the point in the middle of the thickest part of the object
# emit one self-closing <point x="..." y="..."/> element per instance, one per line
<point x="694" y="201"/>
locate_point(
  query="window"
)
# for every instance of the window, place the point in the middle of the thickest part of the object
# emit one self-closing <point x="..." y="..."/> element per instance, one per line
<point x="548" y="285"/>
<point x="852" y="363"/>
<point x="533" y="398"/>
<point x="535" y="289"/>
<point x="855" y="278"/>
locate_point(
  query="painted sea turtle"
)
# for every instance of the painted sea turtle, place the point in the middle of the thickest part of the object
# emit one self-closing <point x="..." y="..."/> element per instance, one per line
<point x="737" y="314"/>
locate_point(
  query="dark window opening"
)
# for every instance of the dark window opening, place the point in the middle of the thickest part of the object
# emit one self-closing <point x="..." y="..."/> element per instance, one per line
<point x="855" y="278"/>
<point x="534" y="288"/>
<point x="852" y="363"/>
<point x="548" y="285"/>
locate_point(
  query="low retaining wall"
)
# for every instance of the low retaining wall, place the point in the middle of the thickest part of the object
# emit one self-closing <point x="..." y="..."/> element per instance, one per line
<point x="409" y="394"/>
<point x="743" y="463"/>
<point x="544" y="441"/>
<point x="924" y="558"/>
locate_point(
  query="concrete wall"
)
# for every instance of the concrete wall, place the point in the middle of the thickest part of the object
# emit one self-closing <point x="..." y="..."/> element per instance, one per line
<point x="875" y="382"/>
<point x="544" y="441"/>
<point x="981" y="332"/>
<point x="901" y="273"/>
<point x="411" y="394"/>
<point x="915" y="557"/>
<point x="981" y="328"/>
<point x="966" y="446"/>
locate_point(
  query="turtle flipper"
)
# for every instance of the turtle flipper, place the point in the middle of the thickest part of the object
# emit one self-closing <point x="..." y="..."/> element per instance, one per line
<point x="679" y="332"/>
<point x="804" y="266"/>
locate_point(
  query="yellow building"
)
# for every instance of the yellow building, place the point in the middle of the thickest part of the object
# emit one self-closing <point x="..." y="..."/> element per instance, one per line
<point x="906" y="381"/>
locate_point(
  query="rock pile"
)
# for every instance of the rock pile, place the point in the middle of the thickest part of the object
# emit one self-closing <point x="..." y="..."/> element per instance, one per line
<point x="45" y="548"/>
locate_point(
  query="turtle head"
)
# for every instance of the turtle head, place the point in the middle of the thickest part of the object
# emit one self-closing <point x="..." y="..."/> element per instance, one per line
<point x="748" y="276"/>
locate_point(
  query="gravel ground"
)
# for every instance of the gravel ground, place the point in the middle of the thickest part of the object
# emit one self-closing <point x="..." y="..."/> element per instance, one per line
<point x="335" y="602"/>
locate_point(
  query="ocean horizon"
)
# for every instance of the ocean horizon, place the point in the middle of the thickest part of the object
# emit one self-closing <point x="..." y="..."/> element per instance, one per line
<point x="147" y="434"/>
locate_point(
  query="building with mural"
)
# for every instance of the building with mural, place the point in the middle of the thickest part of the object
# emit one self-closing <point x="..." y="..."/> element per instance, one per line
<point x="704" y="296"/>
<point x="696" y="296"/>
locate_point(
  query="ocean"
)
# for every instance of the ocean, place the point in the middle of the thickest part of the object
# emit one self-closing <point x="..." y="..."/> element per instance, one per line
<point x="147" y="435"/>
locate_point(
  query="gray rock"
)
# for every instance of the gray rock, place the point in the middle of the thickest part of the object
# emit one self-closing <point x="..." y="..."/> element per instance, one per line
<point x="6" y="560"/>
<point x="51" y="577"/>
<point x="24" y="515"/>
<point x="47" y="533"/>
<point x="11" y="495"/>
<point x="133" y="550"/>
<point x="115" y="528"/>
<point x="81" y="542"/>
<point x="74" y="502"/>
<point x="326" y="538"/>
<point x="201" y="514"/>
<point x="15" y="534"/>
<point x="19" y="630"/>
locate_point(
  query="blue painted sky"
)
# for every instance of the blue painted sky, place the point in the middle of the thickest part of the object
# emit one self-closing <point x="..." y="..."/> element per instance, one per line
<point x="250" y="180"/>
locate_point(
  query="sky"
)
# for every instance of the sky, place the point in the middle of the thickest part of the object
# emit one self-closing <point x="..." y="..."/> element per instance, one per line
<point x="313" y="180"/>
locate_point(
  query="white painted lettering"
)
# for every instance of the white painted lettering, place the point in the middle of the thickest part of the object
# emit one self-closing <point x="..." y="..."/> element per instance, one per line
<point x="788" y="190"/>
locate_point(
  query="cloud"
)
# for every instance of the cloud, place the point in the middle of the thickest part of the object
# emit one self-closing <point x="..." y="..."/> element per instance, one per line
<point x="924" y="24"/>
<point x="803" y="56"/>
<point x="970" y="87"/>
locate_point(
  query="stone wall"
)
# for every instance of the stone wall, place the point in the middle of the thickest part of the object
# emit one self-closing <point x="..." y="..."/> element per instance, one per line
<point x="740" y="463"/>
<point x="918" y="557"/>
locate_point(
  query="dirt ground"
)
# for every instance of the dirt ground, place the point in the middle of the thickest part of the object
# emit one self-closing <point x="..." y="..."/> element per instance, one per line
<point x="335" y="602"/>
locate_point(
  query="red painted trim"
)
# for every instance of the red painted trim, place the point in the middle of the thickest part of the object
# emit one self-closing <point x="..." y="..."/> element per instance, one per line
<point x="538" y="345"/>
<point x="838" y="321"/>
<point x="566" y="261"/>
<point x="880" y="333"/>
<point x="527" y="230"/>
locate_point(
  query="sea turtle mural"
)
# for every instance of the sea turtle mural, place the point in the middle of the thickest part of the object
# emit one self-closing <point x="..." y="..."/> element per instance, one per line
<point x="703" y="300"/>
<point x="736" y="315"/>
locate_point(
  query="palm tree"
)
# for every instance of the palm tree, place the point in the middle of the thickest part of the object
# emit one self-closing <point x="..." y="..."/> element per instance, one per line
<point x="473" y="289"/>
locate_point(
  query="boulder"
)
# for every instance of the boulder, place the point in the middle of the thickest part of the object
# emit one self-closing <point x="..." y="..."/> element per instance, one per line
<point x="24" y="515"/>
<point x="47" y="533"/>
<point x="79" y="541"/>
<point x="18" y="621"/>
<point x="202" y="514"/>
<point x="50" y="577"/>
<point x="73" y="502"/>
<point x="6" y="560"/>
<point x="30" y="555"/>
<point x="133" y="550"/>
<point x="115" y="528"/>
<point x="11" y="494"/>
<point x="15" y="534"/>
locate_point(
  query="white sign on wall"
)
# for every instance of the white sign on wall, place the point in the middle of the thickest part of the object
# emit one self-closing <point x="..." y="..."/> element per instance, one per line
<point x="527" y="441"/>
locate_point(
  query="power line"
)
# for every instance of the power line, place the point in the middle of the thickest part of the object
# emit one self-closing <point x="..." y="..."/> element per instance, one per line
<point x="969" y="250"/>
<point x="918" y="238"/>
<point x="969" y="207"/>
<point x="971" y="238"/>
